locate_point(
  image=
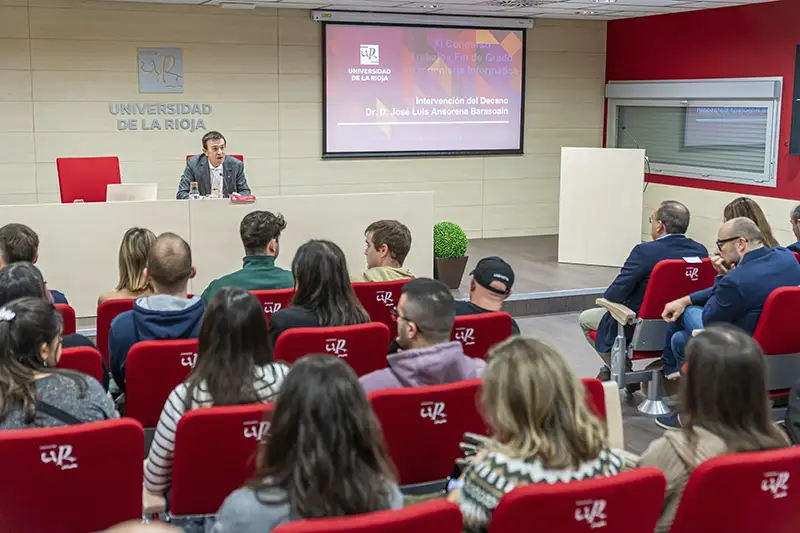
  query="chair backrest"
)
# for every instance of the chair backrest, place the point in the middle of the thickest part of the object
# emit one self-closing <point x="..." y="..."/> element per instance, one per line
<point x="83" y="359"/>
<point x="215" y="452"/>
<point x="437" y="516"/>
<point x="423" y="426"/>
<point x="672" y="279"/>
<point x="106" y="312"/>
<point x="379" y="298"/>
<point x="595" y="397"/>
<point x="362" y="346"/>
<point x="68" y="317"/>
<point x="582" y="506"/>
<point x="237" y="156"/>
<point x="152" y="370"/>
<point x="86" y="178"/>
<point x="273" y="301"/>
<point x="91" y="472"/>
<point x="742" y="493"/>
<point x="478" y="333"/>
<point x="775" y="334"/>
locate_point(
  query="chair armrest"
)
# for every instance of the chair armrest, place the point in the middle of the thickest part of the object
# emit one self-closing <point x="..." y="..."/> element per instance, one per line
<point x="621" y="314"/>
<point x="152" y="503"/>
<point x="613" y="415"/>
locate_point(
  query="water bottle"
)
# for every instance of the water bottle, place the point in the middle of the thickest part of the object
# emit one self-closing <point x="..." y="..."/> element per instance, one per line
<point x="194" y="192"/>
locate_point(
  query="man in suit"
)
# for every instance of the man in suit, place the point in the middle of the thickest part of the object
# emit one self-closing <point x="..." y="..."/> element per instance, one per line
<point x="795" y="220"/>
<point x="213" y="172"/>
<point x="668" y="225"/>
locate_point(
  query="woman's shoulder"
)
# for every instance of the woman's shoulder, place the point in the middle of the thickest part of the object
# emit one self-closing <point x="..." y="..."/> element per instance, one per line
<point x="247" y="509"/>
<point x="296" y="316"/>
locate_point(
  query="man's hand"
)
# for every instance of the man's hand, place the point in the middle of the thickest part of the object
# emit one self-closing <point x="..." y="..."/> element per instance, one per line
<point x="719" y="264"/>
<point x="674" y="309"/>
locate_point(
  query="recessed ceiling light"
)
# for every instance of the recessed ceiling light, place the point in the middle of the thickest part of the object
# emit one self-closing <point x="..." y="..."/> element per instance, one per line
<point x="604" y="1"/>
<point x="434" y="6"/>
<point x="585" y="12"/>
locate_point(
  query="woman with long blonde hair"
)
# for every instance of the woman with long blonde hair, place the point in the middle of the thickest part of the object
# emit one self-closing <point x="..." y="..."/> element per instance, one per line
<point x="132" y="261"/>
<point x="542" y="430"/>
<point x="748" y="208"/>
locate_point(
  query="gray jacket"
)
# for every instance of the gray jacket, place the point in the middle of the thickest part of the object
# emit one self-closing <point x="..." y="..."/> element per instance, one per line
<point x="197" y="170"/>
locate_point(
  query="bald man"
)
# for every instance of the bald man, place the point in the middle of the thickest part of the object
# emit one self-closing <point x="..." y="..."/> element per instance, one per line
<point x="168" y="314"/>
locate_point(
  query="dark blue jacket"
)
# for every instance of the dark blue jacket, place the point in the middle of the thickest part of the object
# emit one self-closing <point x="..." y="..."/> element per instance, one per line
<point x="738" y="296"/>
<point x="629" y="286"/>
<point x="149" y="321"/>
<point x="795" y="247"/>
<point x="58" y="297"/>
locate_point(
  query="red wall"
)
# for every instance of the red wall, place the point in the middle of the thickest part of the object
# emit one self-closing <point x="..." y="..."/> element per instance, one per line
<point x="747" y="41"/>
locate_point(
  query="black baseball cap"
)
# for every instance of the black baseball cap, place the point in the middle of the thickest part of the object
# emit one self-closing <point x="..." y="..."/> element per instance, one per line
<point x="491" y="269"/>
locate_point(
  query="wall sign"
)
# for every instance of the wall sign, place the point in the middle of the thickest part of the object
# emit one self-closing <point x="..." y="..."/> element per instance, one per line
<point x="160" y="70"/>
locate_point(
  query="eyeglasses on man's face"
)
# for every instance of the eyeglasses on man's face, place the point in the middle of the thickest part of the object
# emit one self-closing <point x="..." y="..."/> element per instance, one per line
<point x="722" y="242"/>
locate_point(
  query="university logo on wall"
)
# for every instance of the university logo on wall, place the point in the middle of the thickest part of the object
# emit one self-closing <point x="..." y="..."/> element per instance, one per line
<point x="160" y="70"/>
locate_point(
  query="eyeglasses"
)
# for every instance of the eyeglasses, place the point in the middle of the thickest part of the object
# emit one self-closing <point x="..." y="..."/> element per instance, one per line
<point x="721" y="242"/>
<point x="397" y="316"/>
<point x="651" y="219"/>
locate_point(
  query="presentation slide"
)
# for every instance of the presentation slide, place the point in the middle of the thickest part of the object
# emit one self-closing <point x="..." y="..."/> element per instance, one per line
<point x="422" y="90"/>
<point x="725" y="126"/>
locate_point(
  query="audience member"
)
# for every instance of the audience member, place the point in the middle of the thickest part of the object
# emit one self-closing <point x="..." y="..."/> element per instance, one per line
<point x="425" y="315"/>
<point x="33" y="393"/>
<point x="323" y="293"/>
<point x="137" y="526"/>
<point x="168" y="314"/>
<point x="388" y="244"/>
<point x="668" y="225"/>
<point x="542" y="430"/>
<point x="748" y="271"/>
<point x="261" y="233"/>
<point x="323" y="456"/>
<point x="724" y="409"/>
<point x="745" y="207"/>
<point x="18" y="243"/>
<point x="132" y="261"/>
<point x="795" y="221"/>
<point x="234" y="367"/>
<point x="489" y="287"/>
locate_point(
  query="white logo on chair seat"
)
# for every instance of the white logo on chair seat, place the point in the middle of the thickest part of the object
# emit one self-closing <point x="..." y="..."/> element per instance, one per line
<point x="385" y="297"/>
<point x="337" y="347"/>
<point x="271" y="307"/>
<point x="693" y="273"/>
<point x="466" y="336"/>
<point x="188" y="359"/>
<point x="255" y="429"/>
<point x="434" y="411"/>
<point x="592" y="512"/>
<point x="60" y="455"/>
<point x="777" y="483"/>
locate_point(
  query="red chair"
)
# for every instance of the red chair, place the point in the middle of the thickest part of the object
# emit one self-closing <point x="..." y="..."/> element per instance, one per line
<point x="106" y="312"/>
<point x="83" y="359"/>
<point x="781" y="346"/>
<point x="86" y="178"/>
<point x="237" y="156"/>
<point x="362" y="346"/>
<point x="671" y="279"/>
<point x="742" y="493"/>
<point x="273" y="301"/>
<point x="581" y="506"/>
<point x="379" y="299"/>
<point x="437" y="516"/>
<point x="92" y="472"/>
<point x="595" y="397"/>
<point x="152" y="370"/>
<point x="229" y="435"/>
<point x="478" y="333"/>
<point x="68" y="318"/>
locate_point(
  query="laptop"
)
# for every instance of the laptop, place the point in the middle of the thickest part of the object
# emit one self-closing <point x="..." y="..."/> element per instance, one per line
<point x="132" y="192"/>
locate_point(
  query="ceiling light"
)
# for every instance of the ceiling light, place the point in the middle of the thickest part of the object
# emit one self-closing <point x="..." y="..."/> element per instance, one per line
<point x="604" y="1"/>
<point x="585" y="12"/>
<point x="429" y="6"/>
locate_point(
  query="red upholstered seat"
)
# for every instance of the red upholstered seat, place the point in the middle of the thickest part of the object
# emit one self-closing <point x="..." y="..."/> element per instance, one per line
<point x="106" y="312"/>
<point x="86" y="178"/>
<point x="274" y="301"/>
<point x="379" y="298"/>
<point x="478" y="333"/>
<point x="775" y="333"/>
<point x="83" y="359"/>
<point x="68" y="318"/>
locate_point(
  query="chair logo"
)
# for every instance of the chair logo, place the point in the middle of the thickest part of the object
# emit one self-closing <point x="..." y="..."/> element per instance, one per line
<point x="777" y="483"/>
<point x="693" y="273"/>
<point x="385" y="297"/>
<point x="466" y="336"/>
<point x="337" y="347"/>
<point x="592" y="512"/>
<point x="434" y="411"/>
<point x="271" y="307"/>
<point x="188" y="359"/>
<point x="255" y="429"/>
<point x="370" y="54"/>
<point x="59" y="455"/>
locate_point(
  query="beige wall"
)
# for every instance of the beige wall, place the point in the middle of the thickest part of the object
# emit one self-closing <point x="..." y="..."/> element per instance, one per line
<point x="706" y="209"/>
<point x="63" y="61"/>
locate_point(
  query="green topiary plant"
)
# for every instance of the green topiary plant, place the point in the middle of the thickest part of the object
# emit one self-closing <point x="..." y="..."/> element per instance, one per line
<point x="449" y="240"/>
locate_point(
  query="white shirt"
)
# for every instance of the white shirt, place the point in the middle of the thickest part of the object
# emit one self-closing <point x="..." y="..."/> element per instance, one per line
<point x="215" y="174"/>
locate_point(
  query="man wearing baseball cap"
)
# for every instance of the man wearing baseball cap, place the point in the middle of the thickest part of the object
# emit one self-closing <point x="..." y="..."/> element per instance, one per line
<point x="489" y="287"/>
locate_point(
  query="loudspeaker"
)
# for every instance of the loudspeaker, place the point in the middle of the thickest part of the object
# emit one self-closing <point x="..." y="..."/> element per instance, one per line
<point x="794" y="140"/>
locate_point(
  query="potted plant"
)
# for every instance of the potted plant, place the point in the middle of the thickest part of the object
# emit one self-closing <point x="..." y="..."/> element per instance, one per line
<point x="449" y="253"/>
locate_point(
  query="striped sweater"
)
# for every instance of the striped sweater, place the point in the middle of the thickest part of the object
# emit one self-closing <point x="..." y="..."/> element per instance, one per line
<point x="486" y="480"/>
<point x="158" y="466"/>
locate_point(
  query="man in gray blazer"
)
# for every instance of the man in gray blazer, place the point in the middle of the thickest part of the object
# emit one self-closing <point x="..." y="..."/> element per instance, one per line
<point x="213" y="168"/>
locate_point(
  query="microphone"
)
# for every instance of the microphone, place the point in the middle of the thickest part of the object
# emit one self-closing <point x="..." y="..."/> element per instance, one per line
<point x="646" y="159"/>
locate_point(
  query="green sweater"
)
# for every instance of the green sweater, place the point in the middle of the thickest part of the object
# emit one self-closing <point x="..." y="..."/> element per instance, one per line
<point x="258" y="273"/>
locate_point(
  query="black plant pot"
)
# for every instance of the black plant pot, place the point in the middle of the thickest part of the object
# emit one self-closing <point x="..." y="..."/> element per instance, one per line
<point x="450" y="270"/>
